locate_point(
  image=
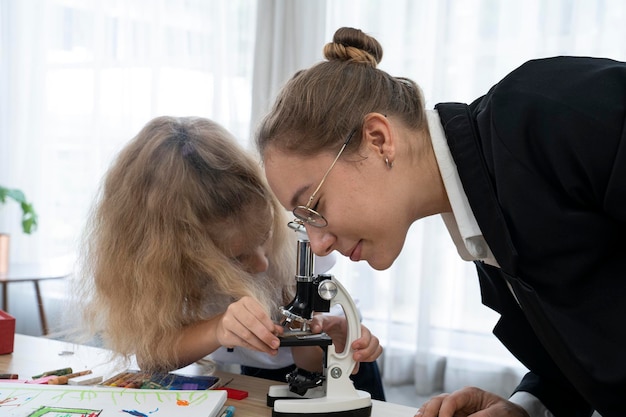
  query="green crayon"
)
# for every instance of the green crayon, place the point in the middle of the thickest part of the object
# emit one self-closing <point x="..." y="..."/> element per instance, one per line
<point x="57" y="372"/>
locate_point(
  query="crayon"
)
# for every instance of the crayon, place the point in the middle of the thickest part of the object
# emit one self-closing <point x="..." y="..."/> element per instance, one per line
<point x="228" y="412"/>
<point x="62" y="380"/>
<point x="113" y="378"/>
<point x="120" y="379"/>
<point x="42" y="380"/>
<point x="9" y="376"/>
<point x="85" y="380"/>
<point x="169" y="381"/>
<point x="130" y="379"/>
<point x="235" y="394"/>
<point x="136" y="381"/>
<point x="56" y="372"/>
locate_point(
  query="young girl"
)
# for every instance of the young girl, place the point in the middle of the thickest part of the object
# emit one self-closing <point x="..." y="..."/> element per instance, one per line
<point x="188" y="251"/>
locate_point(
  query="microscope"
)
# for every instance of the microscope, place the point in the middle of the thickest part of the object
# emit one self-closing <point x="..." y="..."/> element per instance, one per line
<point x="331" y="392"/>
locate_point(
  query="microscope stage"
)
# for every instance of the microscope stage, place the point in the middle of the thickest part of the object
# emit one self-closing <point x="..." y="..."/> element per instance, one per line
<point x="299" y="338"/>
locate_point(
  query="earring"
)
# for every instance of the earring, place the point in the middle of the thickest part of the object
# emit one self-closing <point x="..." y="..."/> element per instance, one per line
<point x="389" y="164"/>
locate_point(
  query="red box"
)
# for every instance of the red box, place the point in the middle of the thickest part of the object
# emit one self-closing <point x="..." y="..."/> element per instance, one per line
<point x="7" y="332"/>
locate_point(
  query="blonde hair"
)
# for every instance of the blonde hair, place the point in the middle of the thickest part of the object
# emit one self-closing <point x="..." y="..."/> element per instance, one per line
<point x="317" y="108"/>
<point x="156" y="255"/>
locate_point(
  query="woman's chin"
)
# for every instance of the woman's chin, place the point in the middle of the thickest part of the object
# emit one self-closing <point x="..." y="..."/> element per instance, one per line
<point x="379" y="264"/>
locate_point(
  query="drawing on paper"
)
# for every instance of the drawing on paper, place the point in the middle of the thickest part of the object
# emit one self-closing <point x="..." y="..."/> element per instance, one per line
<point x="26" y="400"/>
<point x="45" y="411"/>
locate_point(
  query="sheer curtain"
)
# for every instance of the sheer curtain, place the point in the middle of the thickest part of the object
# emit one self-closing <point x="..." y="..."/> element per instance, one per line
<point x="80" y="78"/>
<point x="282" y="46"/>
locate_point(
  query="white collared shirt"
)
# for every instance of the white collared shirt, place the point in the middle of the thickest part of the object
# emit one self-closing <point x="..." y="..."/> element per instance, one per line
<point x="461" y="223"/>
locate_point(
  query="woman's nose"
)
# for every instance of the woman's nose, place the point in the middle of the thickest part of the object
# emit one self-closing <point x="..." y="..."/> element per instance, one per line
<point x="321" y="241"/>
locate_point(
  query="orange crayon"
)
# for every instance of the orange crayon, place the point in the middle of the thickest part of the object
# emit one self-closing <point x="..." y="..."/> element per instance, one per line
<point x="62" y="380"/>
<point x="121" y="379"/>
<point x="133" y="381"/>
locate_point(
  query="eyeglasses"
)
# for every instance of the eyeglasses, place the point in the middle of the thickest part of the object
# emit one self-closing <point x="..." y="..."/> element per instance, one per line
<point x="305" y="214"/>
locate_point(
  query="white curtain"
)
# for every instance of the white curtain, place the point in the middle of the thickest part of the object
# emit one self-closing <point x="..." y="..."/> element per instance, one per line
<point x="80" y="78"/>
<point x="283" y="47"/>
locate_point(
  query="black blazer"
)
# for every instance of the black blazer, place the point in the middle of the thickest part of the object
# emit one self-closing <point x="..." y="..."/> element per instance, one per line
<point x="542" y="158"/>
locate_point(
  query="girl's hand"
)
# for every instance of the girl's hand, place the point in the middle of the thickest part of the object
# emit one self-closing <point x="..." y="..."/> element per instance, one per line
<point x="245" y="323"/>
<point x="366" y="348"/>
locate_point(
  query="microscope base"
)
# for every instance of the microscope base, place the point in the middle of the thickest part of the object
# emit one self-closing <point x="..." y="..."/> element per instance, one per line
<point x="362" y="412"/>
<point x="282" y="392"/>
<point x="288" y="404"/>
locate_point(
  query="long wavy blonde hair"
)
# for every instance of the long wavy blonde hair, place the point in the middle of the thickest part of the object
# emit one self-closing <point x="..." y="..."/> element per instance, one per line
<point x="155" y="253"/>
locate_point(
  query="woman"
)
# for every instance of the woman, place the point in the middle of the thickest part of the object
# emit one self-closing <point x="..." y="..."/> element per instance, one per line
<point x="188" y="251"/>
<point x="530" y="180"/>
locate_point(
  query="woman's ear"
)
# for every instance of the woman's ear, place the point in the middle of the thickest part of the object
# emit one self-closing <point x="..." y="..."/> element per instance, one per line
<point x="378" y="136"/>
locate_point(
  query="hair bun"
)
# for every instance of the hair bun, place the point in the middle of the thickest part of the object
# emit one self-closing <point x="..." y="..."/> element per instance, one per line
<point x="351" y="44"/>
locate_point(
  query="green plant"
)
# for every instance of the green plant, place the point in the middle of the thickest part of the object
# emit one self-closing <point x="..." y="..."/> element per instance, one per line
<point x="29" y="216"/>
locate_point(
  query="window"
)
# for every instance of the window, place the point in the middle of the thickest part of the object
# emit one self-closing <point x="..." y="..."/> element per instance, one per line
<point x="83" y="77"/>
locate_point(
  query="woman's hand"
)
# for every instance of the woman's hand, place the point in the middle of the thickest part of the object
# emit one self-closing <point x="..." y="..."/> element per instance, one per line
<point x="366" y="348"/>
<point x="245" y="323"/>
<point x="470" y="401"/>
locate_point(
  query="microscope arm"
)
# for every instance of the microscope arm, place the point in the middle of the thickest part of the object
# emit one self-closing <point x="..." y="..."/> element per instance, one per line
<point x="340" y="365"/>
